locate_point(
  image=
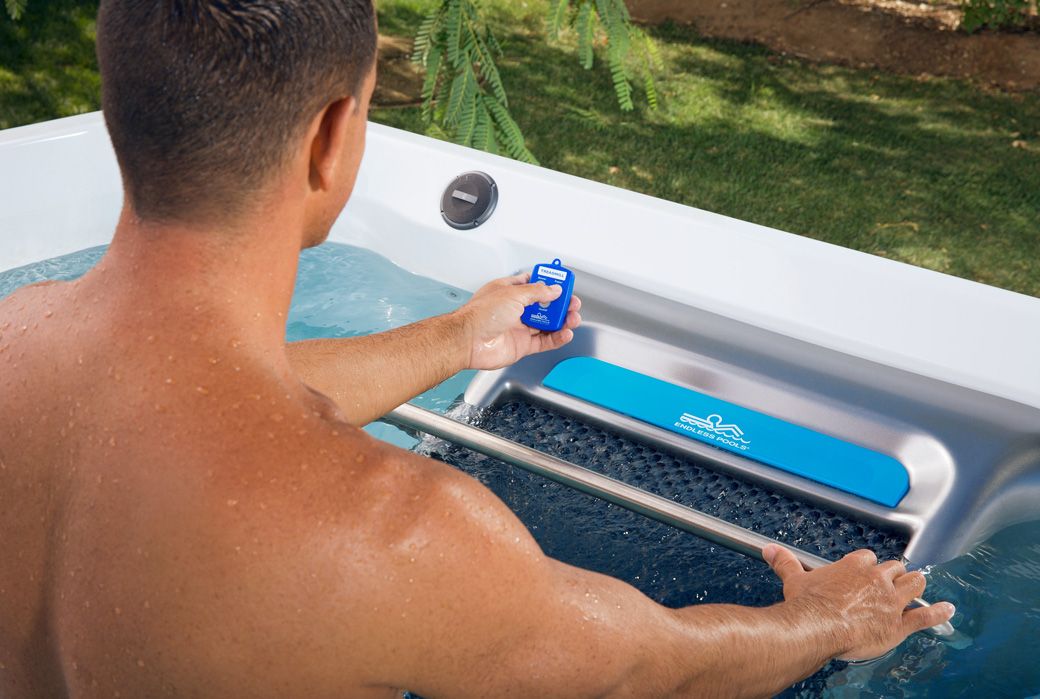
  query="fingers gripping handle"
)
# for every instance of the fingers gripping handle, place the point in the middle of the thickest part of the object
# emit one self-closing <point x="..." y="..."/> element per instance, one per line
<point x="811" y="562"/>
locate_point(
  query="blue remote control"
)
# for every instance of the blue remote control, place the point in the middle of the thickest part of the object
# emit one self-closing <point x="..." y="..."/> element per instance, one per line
<point x="550" y="317"/>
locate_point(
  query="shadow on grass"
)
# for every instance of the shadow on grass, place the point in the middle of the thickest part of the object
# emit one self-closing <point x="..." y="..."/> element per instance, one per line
<point x="922" y="172"/>
<point x="47" y="63"/>
<point x="402" y="17"/>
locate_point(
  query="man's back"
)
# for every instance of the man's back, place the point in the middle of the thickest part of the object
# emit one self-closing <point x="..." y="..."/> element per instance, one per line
<point x="155" y="485"/>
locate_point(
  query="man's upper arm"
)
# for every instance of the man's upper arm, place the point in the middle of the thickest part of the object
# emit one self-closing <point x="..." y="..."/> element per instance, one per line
<point x="477" y="609"/>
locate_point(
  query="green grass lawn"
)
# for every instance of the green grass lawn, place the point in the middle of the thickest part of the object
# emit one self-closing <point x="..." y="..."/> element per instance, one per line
<point x="918" y="171"/>
<point x="47" y="63"/>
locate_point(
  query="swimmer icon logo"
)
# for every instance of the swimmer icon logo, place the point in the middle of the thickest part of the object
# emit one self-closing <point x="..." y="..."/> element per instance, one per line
<point x="713" y="428"/>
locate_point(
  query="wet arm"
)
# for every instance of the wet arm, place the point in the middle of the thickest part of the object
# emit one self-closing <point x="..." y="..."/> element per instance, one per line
<point x="371" y="375"/>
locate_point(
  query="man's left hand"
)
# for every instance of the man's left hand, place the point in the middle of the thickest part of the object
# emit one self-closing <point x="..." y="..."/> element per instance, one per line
<point x="491" y="319"/>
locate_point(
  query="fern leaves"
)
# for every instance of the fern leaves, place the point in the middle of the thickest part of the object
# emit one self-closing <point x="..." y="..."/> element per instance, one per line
<point x="463" y="95"/>
<point x="631" y="54"/>
<point x="558" y="11"/>
<point x="586" y="34"/>
<point x="15" y="8"/>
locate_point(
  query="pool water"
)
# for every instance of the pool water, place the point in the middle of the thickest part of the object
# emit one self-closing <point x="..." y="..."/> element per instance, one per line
<point x="343" y="291"/>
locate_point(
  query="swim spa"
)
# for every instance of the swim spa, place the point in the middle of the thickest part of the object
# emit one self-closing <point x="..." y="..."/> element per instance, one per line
<point x="929" y="383"/>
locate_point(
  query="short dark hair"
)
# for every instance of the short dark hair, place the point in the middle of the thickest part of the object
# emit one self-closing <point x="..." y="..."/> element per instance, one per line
<point x="203" y="98"/>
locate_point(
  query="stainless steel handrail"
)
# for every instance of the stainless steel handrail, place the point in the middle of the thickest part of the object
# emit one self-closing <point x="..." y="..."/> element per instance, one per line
<point x="606" y="488"/>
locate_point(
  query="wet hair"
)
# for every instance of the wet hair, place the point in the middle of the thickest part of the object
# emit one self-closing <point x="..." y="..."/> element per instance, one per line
<point x="204" y="99"/>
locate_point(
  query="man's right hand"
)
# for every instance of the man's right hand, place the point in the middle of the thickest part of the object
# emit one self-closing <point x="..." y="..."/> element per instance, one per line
<point x="491" y="320"/>
<point x="867" y="601"/>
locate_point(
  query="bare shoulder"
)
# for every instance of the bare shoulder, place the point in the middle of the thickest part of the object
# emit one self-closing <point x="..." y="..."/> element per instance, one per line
<point x="456" y="598"/>
<point x="28" y="294"/>
<point x="27" y="318"/>
<point x="368" y="559"/>
<point x="24" y="310"/>
<point x="408" y="504"/>
<point x="451" y="508"/>
<point x="15" y="305"/>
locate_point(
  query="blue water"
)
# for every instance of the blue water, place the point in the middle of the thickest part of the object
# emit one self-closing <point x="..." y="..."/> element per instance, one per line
<point x="344" y="291"/>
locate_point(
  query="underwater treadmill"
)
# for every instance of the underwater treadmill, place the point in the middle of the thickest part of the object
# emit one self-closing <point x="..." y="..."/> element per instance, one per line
<point x="739" y="435"/>
<point x="758" y="428"/>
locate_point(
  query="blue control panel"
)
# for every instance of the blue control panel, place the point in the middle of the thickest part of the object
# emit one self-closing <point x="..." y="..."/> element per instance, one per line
<point x="550" y="317"/>
<point x="751" y="434"/>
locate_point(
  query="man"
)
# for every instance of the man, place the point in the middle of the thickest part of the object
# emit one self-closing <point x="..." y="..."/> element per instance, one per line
<point x="189" y="507"/>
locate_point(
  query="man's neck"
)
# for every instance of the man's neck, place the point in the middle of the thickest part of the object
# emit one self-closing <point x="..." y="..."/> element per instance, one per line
<point x="234" y="281"/>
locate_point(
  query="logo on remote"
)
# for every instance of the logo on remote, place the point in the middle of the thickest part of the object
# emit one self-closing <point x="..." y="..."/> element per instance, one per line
<point x="713" y="429"/>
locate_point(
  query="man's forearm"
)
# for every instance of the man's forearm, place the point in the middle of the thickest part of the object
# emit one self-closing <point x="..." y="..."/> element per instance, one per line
<point x="369" y="376"/>
<point x="750" y="652"/>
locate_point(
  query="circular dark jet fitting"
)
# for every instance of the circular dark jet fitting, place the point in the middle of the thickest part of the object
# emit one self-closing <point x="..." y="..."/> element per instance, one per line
<point x="469" y="200"/>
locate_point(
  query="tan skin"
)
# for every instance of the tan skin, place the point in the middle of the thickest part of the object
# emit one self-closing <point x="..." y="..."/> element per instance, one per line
<point x="188" y="507"/>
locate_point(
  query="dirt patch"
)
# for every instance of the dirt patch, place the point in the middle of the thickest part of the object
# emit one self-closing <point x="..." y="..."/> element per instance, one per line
<point x="400" y="81"/>
<point x="893" y="35"/>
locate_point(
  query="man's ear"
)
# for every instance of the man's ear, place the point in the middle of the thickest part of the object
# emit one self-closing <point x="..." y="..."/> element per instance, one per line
<point x="327" y="144"/>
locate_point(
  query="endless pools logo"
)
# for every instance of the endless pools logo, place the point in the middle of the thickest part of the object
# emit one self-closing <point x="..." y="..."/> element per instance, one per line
<point x="712" y="428"/>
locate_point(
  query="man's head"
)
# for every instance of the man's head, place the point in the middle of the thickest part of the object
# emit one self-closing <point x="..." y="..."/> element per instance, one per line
<point x="209" y="101"/>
